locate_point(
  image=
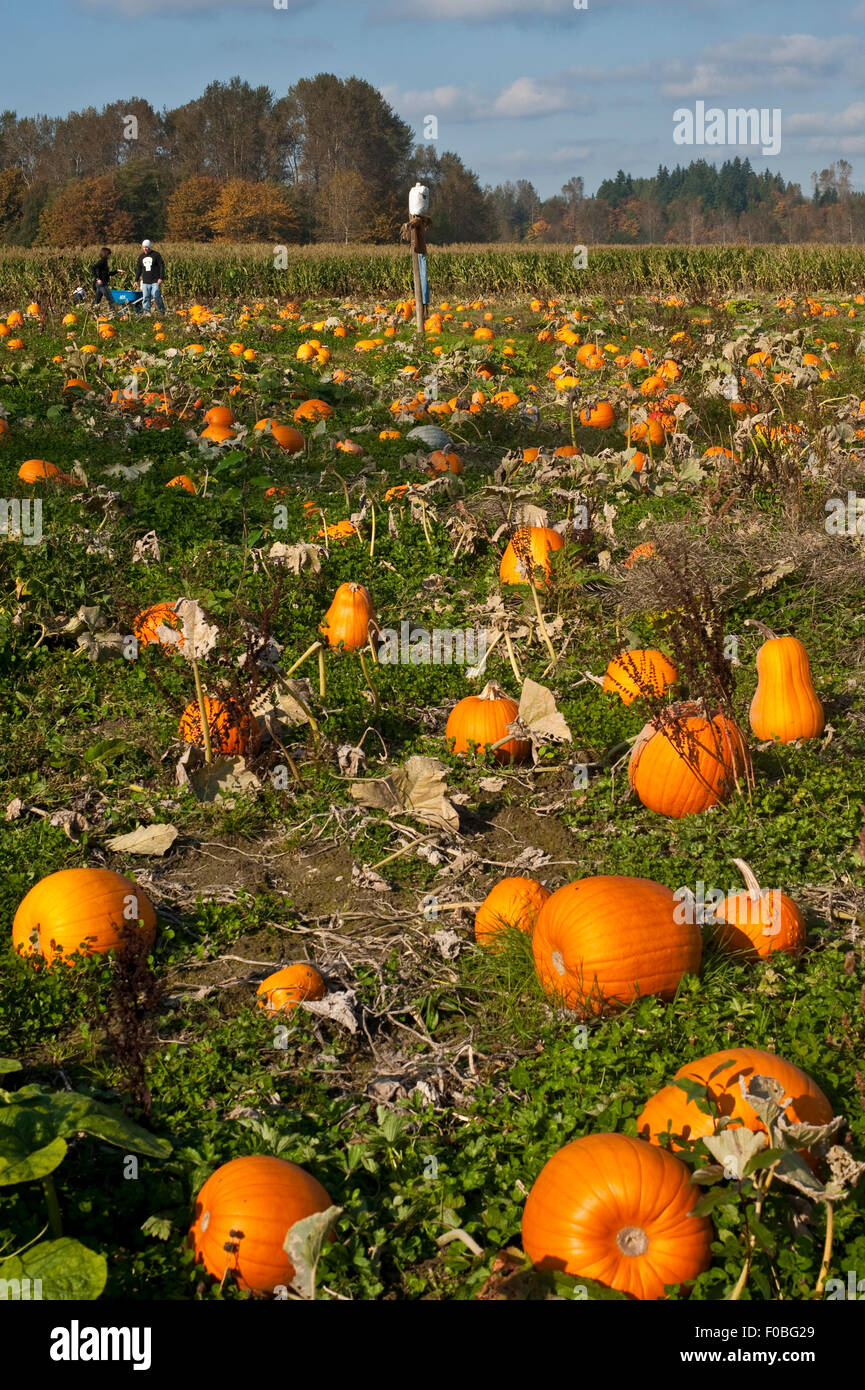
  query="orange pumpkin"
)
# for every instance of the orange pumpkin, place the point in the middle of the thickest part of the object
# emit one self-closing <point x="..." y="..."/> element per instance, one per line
<point x="527" y="551"/>
<point x="444" y="461"/>
<point x="146" y="625"/>
<point x="285" y="989"/>
<point x="244" y="1212"/>
<point x="610" y="939"/>
<point x="347" y="621"/>
<point x="313" y="410"/>
<point x="218" y="433"/>
<point x="89" y="910"/>
<point x="182" y="481"/>
<point x="683" y="762"/>
<point x="601" y="416"/>
<point x="613" y="1209"/>
<point x="785" y="706"/>
<point x="219" y="415"/>
<point x="646" y="672"/>
<point x="755" y="923"/>
<point x="514" y="902"/>
<point x="233" y="730"/>
<point x="670" y="1112"/>
<point x="481" y="720"/>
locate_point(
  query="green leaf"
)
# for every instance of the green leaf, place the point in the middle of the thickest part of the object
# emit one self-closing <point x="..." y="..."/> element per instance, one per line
<point x="8" y="1064"/>
<point x="762" y="1236"/>
<point x="716" y="1197"/>
<point x="19" y="1165"/>
<point x="52" y="1116"/>
<point x="65" y="1268"/>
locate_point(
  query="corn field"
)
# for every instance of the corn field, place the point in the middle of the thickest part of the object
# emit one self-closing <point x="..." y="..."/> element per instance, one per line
<point x="244" y="271"/>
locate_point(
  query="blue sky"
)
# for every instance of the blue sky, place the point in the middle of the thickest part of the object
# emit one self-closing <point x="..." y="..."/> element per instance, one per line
<point x="521" y="88"/>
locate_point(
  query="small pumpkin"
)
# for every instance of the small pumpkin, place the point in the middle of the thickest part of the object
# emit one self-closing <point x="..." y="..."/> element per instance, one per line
<point x="609" y="939"/>
<point x="684" y="762"/>
<point x="147" y="624"/>
<point x="233" y="730"/>
<point x="785" y="706"/>
<point x="287" y="438"/>
<point x="611" y="1208"/>
<point x="39" y="470"/>
<point x="285" y="989"/>
<point x="219" y="415"/>
<point x="756" y="922"/>
<point x="347" y="621"/>
<point x="88" y="910"/>
<point x="670" y="1112"/>
<point x="528" y="551"/>
<point x="513" y="902"/>
<point x="244" y="1212"/>
<point x="481" y="720"/>
<point x="639" y="672"/>
<point x="182" y="481"/>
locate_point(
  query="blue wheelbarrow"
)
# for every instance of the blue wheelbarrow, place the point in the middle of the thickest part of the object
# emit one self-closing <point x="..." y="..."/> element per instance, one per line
<point x="127" y="299"/>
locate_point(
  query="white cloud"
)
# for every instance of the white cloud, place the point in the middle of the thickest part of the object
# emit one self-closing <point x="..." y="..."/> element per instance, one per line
<point x="752" y="61"/>
<point x="143" y="9"/>
<point x="852" y="118"/>
<point x="525" y="97"/>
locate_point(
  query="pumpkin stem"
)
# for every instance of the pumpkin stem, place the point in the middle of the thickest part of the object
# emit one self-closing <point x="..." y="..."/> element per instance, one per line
<point x="632" y="1240"/>
<point x="762" y="627"/>
<point x="492" y="691"/>
<point x="205" y="727"/>
<point x="750" y="878"/>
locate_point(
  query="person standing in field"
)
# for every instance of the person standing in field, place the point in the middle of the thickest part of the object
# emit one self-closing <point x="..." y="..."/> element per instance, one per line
<point x="150" y="274"/>
<point x="102" y="276"/>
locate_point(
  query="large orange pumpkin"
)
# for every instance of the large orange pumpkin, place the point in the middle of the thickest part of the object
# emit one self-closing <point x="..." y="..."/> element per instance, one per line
<point x="671" y="1112"/>
<point x="233" y="730"/>
<point x="285" y="989"/>
<point x="609" y="939"/>
<point x="684" y="762"/>
<point x="527" y="551"/>
<point x="87" y="910"/>
<point x="756" y="922"/>
<point x="481" y="720"/>
<point x="645" y="672"/>
<point x="244" y="1212"/>
<point x="347" y="621"/>
<point x="514" y="902"/>
<point x="613" y="1209"/>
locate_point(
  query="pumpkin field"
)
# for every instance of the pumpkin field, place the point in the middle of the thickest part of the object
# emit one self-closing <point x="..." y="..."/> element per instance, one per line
<point x="433" y="792"/>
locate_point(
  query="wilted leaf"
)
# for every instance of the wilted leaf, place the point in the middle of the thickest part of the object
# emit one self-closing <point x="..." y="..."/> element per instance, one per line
<point x="296" y="557"/>
<point x="364" y="877"/>
<point x="418" y="788"/>
<point x="223" y="779"/>
<point x="340" y="1006"/>
<point x="304" y="1243"/>
<point x="199" y="636"/>
<point x="145" y="839"/>
<point x="733" y="1148"/>
<point x="146" y="549"/>
<point x="539" y="714"/>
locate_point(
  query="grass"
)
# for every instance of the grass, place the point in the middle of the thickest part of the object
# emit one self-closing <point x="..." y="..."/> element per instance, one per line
<point x="441" y="1109"/>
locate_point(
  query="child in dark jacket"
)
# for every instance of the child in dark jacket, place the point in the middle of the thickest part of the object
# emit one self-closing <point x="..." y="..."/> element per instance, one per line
<point x="102" y="276"/>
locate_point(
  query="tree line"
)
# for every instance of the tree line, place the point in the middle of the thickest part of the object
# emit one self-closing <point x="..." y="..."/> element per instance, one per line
<point x="332" y="161"/>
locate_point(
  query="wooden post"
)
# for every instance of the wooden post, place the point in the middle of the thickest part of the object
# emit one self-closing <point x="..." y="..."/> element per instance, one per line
<point x="420" y="311"/>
